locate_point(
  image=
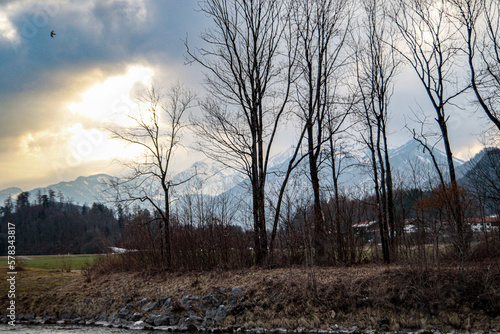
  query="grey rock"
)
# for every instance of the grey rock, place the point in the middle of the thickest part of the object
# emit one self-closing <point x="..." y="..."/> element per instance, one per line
<point x="141" y="302"/>
<point x="174" y="320"/>
<point x="64" y="315"/>
<point x="191" y="328"/>
<point x="162" y="320"/>
<point x="190" y="323"/>
<point x="208" y="296"/>
<point x="197" y="319"/>
<point x="47" y="320"/>
<point x="206" y="302"/>
<point x="149" y="307"/>
<point x="208" y="323"/>
<point x="191" y="314"/>
<point x="102" y="323"/>
<point x="188" y="304"/>
<point x="112" y="318"/>
<point x="120" y="323"/>
<point x="221" y="314"/>
<point x="233" y="301"/>
<point x="123" y="313"/>
<point x="139" y="325"/>
<point x="90" y="322"/>
<point x="210" y="314"/>
<point x="102" y="317"/>
<point x="210" y="300"/>
<point x="136" y="317"/>
<point x="237" y="292"/>
<point x="164" y="300"/>
<point x="188" y="297"/>
<point x="189" y="301"/>
<point x="150" y="319"/>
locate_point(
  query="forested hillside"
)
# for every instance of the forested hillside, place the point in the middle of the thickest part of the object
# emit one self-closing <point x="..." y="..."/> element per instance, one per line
<point x="48" y="226"/>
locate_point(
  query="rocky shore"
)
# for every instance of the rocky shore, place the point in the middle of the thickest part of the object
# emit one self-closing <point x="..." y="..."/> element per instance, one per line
<point x="189" y="314"/>
<point x="354" y="300"/>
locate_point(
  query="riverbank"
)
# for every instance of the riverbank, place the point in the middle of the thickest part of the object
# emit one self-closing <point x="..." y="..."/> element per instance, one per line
<point x="368" y="297"/>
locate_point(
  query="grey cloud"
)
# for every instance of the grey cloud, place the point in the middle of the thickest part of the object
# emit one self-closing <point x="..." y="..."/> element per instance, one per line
<point x="41" y="74"/>
<point x="99" y="33"/>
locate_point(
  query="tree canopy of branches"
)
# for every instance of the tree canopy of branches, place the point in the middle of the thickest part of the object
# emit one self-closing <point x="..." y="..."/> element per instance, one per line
<point x="376" y="67"/>
<point x="431" y="49"/>
<point x="156" y="129"/>
<point x="248" y="78"/>
<point x="321" y="28"/>
<point x="479" y="25"/>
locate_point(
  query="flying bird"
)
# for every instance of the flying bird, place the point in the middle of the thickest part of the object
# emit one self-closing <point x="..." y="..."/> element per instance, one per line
<point x="52" y="34"/>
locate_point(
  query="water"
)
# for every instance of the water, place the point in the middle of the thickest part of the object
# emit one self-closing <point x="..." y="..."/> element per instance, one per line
<point x="71" y="329"/>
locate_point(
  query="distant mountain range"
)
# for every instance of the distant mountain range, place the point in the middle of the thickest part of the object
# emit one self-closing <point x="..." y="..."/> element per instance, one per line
<point x="83" y="190"/>
<point x="409" y="163"/>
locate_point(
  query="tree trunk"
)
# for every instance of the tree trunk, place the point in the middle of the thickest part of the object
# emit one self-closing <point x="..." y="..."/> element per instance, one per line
<point x="318" y="218"/>
<point x="340" y="244"/>
<point x="456" y="205"/>
<point x="382" y="203"/>
<point x="394" y="233"/>
<point x="168" y="251"/>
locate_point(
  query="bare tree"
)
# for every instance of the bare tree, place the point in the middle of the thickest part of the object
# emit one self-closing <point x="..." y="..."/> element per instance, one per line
<point x="249" y="82"/>
<point x="377" y="66"/>
<point x="431" y="51"/>
<point x="483" y="179"/>
<point x="479" y="25"/>
<point x="156" y="129"/>
<point x="321" y="27"/>
<point x="338" y="161"/>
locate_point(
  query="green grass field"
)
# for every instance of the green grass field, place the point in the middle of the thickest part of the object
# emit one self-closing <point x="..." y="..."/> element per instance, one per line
<point x="54" y="262"/>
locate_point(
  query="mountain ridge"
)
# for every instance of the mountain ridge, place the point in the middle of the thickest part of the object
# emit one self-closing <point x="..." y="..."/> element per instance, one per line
<point x="213" y="179"/>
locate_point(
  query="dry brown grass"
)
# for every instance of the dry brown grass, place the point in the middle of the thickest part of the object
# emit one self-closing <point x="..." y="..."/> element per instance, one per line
<point x="361" y="295"/>
<point x="36" y="289"/>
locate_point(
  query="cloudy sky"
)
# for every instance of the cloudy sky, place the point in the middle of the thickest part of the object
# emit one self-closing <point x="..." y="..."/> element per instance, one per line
<point x="56" y="94"/>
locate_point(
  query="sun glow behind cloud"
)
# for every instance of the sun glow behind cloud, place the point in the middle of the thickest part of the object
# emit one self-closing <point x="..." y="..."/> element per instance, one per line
<point x="107" y="104"/>
<point x="111" y="100"/>
<point x="58" y="94"/>
<point x="82" y="138"/>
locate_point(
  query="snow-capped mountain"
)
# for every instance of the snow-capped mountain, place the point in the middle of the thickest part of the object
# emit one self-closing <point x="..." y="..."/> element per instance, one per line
<point x="206" y="177"/>
<point x="9" y="192"/>
<point x="412" y="161"/>
<point x="409" y="162"/>
<point x="83" y="190"/>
